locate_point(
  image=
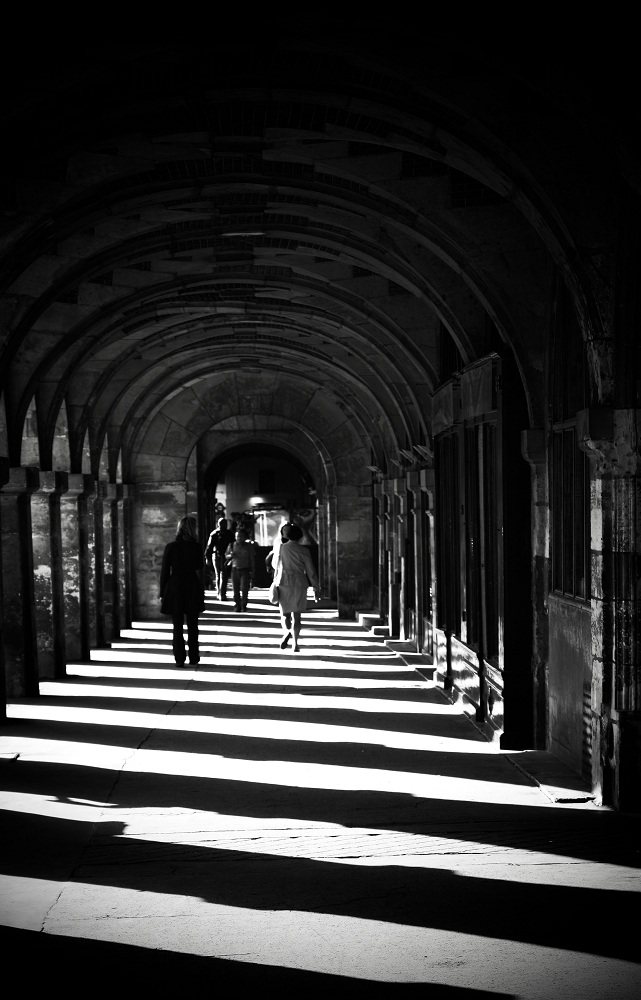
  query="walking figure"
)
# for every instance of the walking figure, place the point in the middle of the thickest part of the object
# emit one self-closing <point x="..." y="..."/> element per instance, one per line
<point x="182" y="591"/>
<point x="242" y="556"/>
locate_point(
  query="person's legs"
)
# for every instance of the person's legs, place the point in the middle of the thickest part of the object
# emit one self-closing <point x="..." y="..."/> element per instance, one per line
<point x="178" y="639"/>
<point x="235" y="579"/>
<point x="286" y="623"/>
<point x="225" y="573"/>
<point x="244" y="588"/>
<point x="218" y="572"/>
<point x="296" y="629"/>
<point x="192" y="637"/>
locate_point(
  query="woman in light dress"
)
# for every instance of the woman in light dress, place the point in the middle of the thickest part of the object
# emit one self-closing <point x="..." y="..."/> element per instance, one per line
<point x="294" y="572"/>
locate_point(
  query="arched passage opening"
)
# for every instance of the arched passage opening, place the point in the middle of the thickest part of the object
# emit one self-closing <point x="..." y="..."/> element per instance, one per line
<point x="259" y="487"/>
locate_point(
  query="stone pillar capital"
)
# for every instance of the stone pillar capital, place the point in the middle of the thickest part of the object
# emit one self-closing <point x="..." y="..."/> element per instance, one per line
<point x="23" y="479"/>
<point x="52" y="483"/>
<point x="414" y="480"/>
<point x="611" y="438"/>
<point x="76" y="483"/>
<point x="400" y="491"/>
<point x="421" y="481"/>
<point x="400" y="487"/>
<point x="534" y="446"/>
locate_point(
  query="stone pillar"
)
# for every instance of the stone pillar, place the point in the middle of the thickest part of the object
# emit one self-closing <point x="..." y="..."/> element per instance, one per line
<point x="401" y="529"/>
<point x="88" y="569"/>
<point x="103" y="510"/>
<point x="109" y="557"/>
<point x="611" y="437"/>
<point x="4" y="478"/>
<point x="125" y="554"/>
<point x="155" y="512"/>
<point x="392" y="604"/>
<point x="76" y="525"/>
<point x="533" y="449"/>
<point x="421" y="482"/>
<point x="397" y="531"/>
<point x="326" y="551"/>
<point x="116" y="576"/>
<point x="379" y="555"/>
<point x="353" y="551"/>
<point x="47" y="574"/>
<point x="97" y="511"/>
<point x="330" y="580"/>
<point x="428" y="486"/>
<point x="71" y="566"/>
<point x="19" y="610"/>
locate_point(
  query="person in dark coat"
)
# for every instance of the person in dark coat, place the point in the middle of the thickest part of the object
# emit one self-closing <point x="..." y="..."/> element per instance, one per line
<point x="217" y="544"/>
<point x="242" y="555"/>
<point x="182" y="591"/>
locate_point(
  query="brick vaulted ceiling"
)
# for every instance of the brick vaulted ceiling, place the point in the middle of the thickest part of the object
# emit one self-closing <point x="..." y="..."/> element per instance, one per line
<point x="303" y="214"/>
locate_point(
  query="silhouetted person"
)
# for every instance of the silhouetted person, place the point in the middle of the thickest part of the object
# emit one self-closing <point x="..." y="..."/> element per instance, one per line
<point x="182" y="591"/>
<point x="217" y="544"/>
<point x="243" y="565"/>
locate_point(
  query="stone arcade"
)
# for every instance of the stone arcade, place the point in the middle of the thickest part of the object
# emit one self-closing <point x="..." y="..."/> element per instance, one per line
<point x="405" y="268"/>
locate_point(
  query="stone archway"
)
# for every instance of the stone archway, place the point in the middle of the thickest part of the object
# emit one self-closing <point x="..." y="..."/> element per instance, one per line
<point x="259" y="486"/>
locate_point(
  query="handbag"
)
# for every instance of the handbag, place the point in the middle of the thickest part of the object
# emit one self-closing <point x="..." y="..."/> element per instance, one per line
<point x="272" y="594"/>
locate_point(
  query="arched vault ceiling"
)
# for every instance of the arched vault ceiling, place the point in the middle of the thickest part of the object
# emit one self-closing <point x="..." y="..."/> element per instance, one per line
<point x="367" y="404"/>
<point x="313" y="421"/>
<point x="307" y="206"/>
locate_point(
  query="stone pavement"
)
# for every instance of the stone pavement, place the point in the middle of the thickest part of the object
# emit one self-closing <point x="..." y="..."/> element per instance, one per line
<point x="325" y="819"/>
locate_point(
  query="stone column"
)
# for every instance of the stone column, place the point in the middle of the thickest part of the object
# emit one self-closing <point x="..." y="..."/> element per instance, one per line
<point x="353" y="551"/>
<point x="421" y="482"/>
<point x="103" y="510"/>
<point x="428" y="486"/>
<point x="71" y="565"/>
<point x="47" y="574"/>
<point x="401" y="529"/>
<point x="115" y="582"/>
<point x="390" y="490"/>
<point x="611" y="437"/>
<point x="89" y="571"/>
<point x="77" y="570"/>
<point x="330" y="581"/>
<point x="533" y="449"/>
<point x="125" y="554"/>
<point x="98" y="510"/>
<point x="19" y="610"/>
<point x="326" y="548"/>
<point x="156" y="510"/>
<point x="379" y="566"/>
<point x="4" y="478"/>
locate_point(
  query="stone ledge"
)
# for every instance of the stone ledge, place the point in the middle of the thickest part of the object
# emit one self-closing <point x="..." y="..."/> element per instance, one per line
<point x="369" y="620"/>
<point x="559" y="782"/>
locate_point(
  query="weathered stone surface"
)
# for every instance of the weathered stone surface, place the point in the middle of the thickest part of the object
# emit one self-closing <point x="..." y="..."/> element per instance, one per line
<point x="155" y="514"/>
<point x="18" y="624"/>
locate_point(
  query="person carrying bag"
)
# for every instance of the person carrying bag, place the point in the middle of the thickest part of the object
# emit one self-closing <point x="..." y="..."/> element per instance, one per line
<point x="295" y="572"/>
